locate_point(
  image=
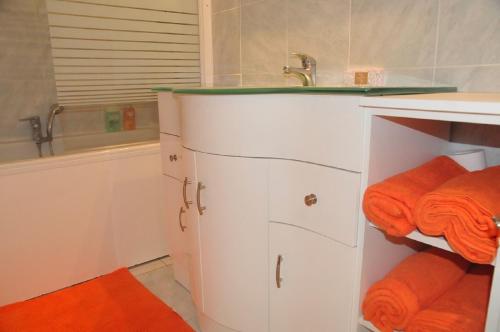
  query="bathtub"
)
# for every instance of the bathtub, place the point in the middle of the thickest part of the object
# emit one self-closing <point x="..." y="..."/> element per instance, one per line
<point x="73" y="217"/>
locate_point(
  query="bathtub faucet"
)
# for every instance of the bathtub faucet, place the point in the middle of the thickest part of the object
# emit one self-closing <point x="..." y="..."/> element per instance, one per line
<point x="36" y="128"/>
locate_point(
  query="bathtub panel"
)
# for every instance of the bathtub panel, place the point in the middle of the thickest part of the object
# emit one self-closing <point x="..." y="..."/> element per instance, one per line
<point x="69" y="219"/>
<point x="55" y="229"/>
<point x="136" y="204"/>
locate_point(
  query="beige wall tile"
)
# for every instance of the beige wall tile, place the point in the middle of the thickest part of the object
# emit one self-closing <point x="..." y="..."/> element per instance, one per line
<point x="469" y="32"/>
<point x="264" y="37"/>
<point x="409" y="77"/>
<point x="227" y="80"/>
<point x="320" y="28"/>
<point x="393" y="33"/>
<point x="470" y="79"/>
<point x="27" y="86"/>
<point x="226" y="42"/>
<point x="264" y="80"/>
<point x="220" y="5"/>
<point x="81" y="122"/>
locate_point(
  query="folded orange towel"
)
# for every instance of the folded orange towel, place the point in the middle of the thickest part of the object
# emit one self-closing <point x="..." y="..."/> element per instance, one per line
<point x="411" y="286"/>
<point x="461" y="309"/>
<point x="462" y="210"/>
<point x="389" y="204"/>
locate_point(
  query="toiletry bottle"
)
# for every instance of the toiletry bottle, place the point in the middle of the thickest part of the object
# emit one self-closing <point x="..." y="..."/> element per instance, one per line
<point x="112" y="119"/>
<point x="128" y="118"/>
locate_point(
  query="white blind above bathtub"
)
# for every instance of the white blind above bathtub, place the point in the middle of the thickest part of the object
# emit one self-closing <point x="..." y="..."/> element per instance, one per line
<point x="114" y="51"/>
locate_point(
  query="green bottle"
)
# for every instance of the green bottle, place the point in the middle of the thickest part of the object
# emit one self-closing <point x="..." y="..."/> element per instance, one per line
<point x="112" y="119"/>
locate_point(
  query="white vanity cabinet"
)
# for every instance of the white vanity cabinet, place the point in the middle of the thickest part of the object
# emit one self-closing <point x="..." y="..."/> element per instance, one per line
<point x="250" y="168"/>
<point x="272" y="185"/>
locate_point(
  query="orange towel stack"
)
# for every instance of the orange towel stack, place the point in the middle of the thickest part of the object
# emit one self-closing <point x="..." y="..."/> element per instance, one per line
<point x="461" y="309"/>
<point x="390" y="203"/>
<point x="462" y="210"/>
<point x="413" y="285"/>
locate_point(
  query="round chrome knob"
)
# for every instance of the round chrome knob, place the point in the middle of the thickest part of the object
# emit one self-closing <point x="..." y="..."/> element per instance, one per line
<point x="310" y="199"/>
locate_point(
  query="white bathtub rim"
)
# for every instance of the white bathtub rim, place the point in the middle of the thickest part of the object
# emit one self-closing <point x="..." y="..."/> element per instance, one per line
<point x="79" y="158"/>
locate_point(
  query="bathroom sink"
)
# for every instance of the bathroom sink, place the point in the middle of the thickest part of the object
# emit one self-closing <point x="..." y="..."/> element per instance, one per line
<point x="364" y="90"/>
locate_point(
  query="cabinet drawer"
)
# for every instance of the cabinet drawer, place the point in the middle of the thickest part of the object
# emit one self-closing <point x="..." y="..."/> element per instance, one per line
<point x="322" y="129"/>
<point x="334" y="214"/>
<point x="171" y="155"/>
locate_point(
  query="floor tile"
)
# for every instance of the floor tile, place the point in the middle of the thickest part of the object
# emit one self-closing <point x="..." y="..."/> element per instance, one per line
<point x="146" y="267"/>
<point x="161" y="282"/>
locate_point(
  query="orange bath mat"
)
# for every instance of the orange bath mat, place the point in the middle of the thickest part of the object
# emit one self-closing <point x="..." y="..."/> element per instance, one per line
<point x="113" y="302"/>
<point x="389" y="204"/>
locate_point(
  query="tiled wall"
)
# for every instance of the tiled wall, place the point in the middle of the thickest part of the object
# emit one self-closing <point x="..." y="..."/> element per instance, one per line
<point x="27" y="85"/>
<point x="452" y="42"/>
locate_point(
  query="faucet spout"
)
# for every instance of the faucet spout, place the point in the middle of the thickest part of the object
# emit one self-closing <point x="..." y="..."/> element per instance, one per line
<point x="36" y="128"/>
<point x="307" y="73"/>
<point x="300" y="73"/>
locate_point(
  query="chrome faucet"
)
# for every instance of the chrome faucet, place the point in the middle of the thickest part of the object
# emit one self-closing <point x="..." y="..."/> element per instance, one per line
<point x="36" y="131"/>
<point x="36" y="128"/>
<point x="307" y="74"/>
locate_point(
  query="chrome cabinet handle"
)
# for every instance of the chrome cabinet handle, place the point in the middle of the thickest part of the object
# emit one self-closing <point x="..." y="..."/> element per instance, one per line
<point x="278" y="271"/>
<point x="198" y="198"/>
<point x="184" y="195"/>
<point x="310" y="199"/>
<point x="181" y="211"/>
<point x="173" y="157"/>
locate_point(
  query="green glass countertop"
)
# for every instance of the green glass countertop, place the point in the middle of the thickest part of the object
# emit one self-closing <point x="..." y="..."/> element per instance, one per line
<point x="367" y="91"/>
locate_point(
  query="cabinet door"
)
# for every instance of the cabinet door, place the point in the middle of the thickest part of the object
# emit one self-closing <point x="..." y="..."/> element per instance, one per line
<point x="234" y="240"/>
<point x="189" y="183"/>
<point x="176" y="229"/>
<point x="316" y="281"/>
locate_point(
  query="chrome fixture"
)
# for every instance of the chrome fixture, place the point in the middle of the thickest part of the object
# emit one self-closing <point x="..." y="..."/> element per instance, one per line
<point x="181" y="226"/>
<point x="36" y="131"/>
<point x="279" y="279"/>
<point x="307" y="74"/>
<point x="201" y="186"/>
<point x="184" y="196"/>
<point x="36" y="128"/>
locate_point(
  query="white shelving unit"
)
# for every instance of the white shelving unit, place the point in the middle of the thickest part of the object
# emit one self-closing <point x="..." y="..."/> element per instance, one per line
<point x="393" y="148"/>
<point x="434" y="241"/>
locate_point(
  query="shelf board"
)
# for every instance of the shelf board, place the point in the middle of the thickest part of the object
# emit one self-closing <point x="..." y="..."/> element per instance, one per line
<point x="435" y="241"/>
<point x="367" y="324"/>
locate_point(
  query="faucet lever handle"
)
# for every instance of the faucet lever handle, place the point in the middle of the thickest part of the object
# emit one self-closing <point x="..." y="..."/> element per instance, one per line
<point x="307" y="60"/>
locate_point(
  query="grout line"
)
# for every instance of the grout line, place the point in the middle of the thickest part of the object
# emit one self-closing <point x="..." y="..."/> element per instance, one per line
<point x="287" y="42"/>
<point x="471" y="66"/>
<point x="349" y="36"/>
<point x="252" y="3"/>
<point x="225" y="10"/>
<point x="241" y="49"/>
<point x="436" y="45"/>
